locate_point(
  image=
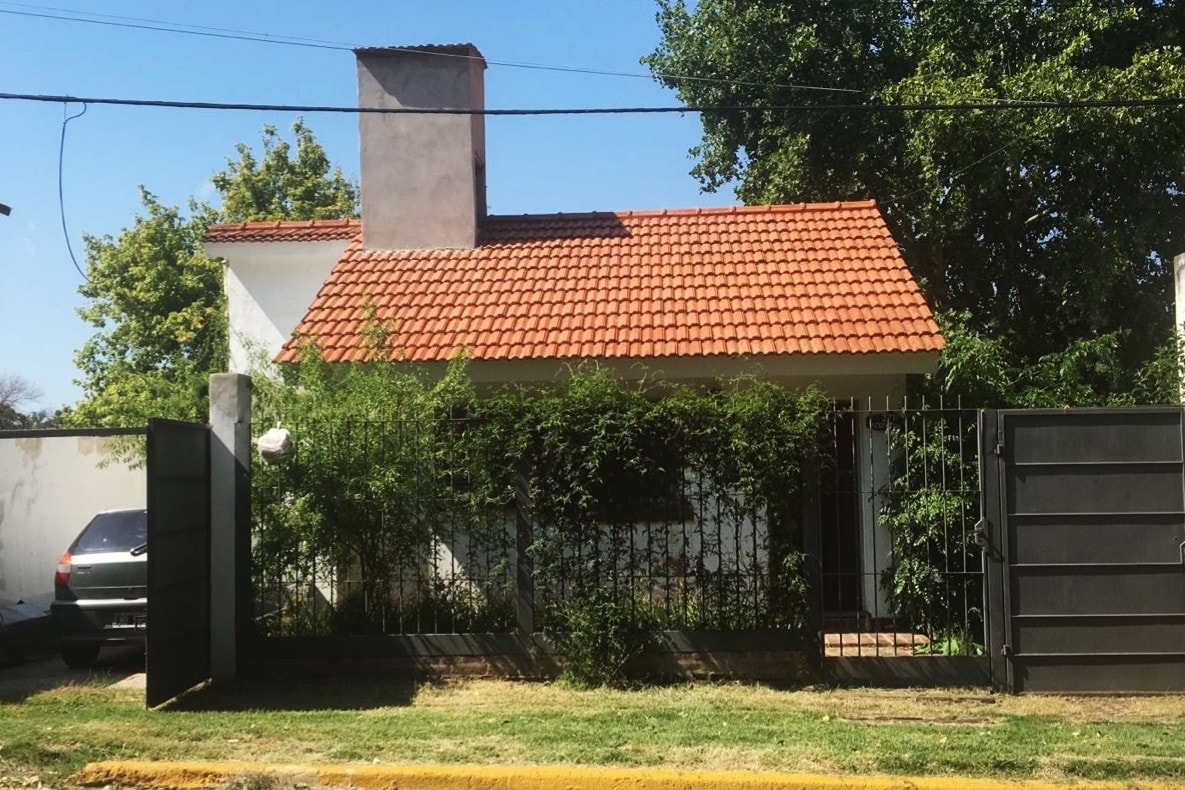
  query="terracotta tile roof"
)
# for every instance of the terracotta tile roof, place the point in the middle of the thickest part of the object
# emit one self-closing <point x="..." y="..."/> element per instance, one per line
<point x="285" y="230"/>
<point x="753" y="281"/>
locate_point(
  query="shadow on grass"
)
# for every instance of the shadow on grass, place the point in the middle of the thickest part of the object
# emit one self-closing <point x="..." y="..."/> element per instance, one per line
<point x="299" y="694"/>
<point x="22" y="680"/>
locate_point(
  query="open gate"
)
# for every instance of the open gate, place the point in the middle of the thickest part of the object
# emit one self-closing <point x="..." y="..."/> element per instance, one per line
<point x="1084" y="525"/>
<point x="178" y="649"/>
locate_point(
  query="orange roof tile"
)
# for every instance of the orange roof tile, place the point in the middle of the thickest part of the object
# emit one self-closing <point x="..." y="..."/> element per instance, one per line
<point x="285" y="230"/>
<point x="760" y="280"/>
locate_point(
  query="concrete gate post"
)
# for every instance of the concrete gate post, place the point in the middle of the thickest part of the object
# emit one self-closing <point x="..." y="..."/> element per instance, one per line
<point x="230" y="521"/>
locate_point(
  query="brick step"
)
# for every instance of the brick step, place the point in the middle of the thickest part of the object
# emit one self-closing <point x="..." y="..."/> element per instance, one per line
<point x="873" y="643"/>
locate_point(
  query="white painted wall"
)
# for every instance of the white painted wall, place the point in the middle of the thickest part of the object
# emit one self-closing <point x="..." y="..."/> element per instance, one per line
<point x="51" y="484"/>
<point x="876" y="459"/>
<point x="269" y="286"/>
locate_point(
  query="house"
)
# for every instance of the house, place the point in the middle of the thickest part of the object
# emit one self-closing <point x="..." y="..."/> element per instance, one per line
<point x="804" y="294"/>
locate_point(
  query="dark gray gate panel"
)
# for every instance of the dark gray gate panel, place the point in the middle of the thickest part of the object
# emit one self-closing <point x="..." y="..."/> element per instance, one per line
<point x="178" y="652"/>
<point x="1091" y="514"/>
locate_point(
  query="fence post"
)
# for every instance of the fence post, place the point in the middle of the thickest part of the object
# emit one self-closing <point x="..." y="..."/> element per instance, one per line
<point x="230" y="521"/>
<point x="812" y="546"/>
<point x="524" y="565"/>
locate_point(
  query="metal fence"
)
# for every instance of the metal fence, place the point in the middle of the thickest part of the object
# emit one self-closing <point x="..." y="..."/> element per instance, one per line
<point x="695" y="558"/>
<point x="456" y="549"/>
<point x="900" y="571"/>
<point x="381" y="534"/>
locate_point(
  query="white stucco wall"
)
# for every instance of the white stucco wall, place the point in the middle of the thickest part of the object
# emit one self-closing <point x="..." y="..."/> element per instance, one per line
<point x="269" y="286"/>
<point x="51" y="484"/>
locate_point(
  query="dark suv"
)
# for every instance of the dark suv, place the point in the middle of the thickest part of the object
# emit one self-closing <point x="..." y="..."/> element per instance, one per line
<point x="101" y="586"/>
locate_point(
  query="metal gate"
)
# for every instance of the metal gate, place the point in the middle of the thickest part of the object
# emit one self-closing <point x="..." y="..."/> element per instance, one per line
<point x="178" y="650"/>
<point x="1085" y="532"/>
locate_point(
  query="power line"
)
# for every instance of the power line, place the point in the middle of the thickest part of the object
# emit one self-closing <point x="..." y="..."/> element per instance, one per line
<point x="61" y="192"/>
<point x="978" y="106"/>
<point x="110" y="20"/>
<point x="138" y="23"/>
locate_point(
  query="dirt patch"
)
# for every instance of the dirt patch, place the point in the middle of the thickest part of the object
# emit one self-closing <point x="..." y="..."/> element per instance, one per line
<point x="977" y="707"/>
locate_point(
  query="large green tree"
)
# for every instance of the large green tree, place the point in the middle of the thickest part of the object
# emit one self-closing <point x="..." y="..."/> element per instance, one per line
<point x="1045" y="225"/>
<point x="155" y="298"/>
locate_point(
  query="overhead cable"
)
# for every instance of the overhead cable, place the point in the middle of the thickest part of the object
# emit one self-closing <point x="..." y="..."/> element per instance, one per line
<point x="61" y="193"/>
<point x="978" y="106"/>
<point x="137" y="23"/>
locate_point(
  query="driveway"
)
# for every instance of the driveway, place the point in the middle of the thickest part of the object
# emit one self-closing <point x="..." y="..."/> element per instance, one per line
<point x="123" y="666"/>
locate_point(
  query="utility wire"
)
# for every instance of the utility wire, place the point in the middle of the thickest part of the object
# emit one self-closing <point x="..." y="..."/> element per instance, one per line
<point x="137" y="23"/>
<point x="61" y="193"/>
<point x="164" y="28"/>
<point x="893" y="201"/>
<point x="1002" y="104"/>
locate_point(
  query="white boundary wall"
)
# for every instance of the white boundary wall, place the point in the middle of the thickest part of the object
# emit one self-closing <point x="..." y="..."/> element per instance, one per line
<point x="51" y="484"/>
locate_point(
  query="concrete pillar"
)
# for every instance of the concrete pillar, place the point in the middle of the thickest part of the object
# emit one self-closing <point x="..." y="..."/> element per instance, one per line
<point x="1179" y="294"/>
<point x="230" y="521"/>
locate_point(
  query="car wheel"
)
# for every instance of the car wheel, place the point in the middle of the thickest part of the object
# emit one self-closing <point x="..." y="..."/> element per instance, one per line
<point x="79" y="656"/>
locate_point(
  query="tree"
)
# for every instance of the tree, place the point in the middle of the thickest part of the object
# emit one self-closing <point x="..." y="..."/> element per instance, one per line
<point x="1045" y="225"/>
<point x="156" y="298"/>
<point x="282" y="187"/>
<point x="15" y="391"/>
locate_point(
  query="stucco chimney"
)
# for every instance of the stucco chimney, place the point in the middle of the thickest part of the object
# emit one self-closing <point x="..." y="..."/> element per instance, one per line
<point x="423" y="175"/>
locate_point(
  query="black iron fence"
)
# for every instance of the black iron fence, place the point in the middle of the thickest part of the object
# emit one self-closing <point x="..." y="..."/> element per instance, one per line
<point x="398" y="527"/>
<point x="374" y="527"/>
<point x="901" y="573"/>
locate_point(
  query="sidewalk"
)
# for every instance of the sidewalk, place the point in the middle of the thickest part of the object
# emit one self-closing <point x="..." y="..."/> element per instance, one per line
<point x="193" y="775"/>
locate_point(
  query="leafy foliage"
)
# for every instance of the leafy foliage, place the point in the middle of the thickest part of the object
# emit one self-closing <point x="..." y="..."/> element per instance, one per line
<point x="375" y="496"/>
<point x="933" y="498"/>
<point x="155" y="298"/>
<point x="282" y="186"/>
<point x="607" y="458"/>
<point x="393" y="473"/>
<point x="599" y="632"/>
<point x="935" y="581"/>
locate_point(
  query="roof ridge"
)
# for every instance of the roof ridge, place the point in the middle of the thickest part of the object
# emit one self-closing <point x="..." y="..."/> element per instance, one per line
<point x="770" y="208"/>
<point x="289" y="223"/>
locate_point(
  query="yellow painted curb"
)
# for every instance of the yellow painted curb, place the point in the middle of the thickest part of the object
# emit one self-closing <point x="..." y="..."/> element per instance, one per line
<point x="195" y="775"/>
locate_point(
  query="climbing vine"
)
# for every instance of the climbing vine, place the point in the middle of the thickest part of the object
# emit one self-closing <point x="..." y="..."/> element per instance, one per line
<point x="651" y="505"/>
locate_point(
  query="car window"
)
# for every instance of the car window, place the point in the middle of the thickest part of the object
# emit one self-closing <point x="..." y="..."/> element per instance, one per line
<point x="121" y="531"/>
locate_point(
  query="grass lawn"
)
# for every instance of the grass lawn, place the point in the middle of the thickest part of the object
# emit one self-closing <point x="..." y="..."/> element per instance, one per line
<point x="47" y="735"/>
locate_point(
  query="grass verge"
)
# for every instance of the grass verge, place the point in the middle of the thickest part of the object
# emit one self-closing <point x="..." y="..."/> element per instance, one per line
<point x="46" y="736"/>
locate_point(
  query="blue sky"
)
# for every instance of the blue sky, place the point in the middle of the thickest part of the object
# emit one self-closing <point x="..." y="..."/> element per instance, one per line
<point x="564" y="163"/>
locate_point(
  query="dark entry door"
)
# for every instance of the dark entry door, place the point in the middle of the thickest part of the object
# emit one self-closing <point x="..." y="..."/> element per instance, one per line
<point x="1086" y="530"/>
<point x="178" y="650"/>
<point x="840" y="540"/>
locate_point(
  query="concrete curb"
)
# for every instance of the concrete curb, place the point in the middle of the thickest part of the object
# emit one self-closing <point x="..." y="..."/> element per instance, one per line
<point x="194" y="775"/>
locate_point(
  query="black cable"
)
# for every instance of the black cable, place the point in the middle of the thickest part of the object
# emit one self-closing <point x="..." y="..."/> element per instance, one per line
<point x="934" y="107"/>
<point x="160" y="28"/>
<point x="157" y="25"/>
<point x="166" y="26"/>
<point x="61" y="195"/>
<point x="1003" y="104"/>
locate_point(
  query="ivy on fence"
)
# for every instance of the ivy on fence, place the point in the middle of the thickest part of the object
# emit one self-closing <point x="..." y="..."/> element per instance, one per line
<point x="676" y="507"/>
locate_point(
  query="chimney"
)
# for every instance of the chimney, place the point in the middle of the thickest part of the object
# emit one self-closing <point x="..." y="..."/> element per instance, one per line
<point x="423" y="176"/>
